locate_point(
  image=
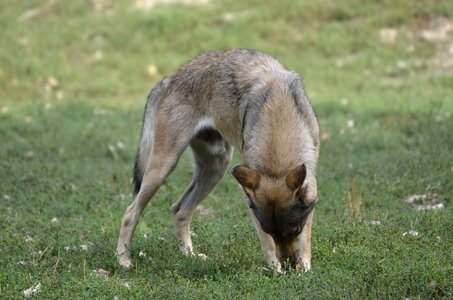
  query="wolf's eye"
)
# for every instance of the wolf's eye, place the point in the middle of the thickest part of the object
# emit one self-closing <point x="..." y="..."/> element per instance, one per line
<point x="300" y="202"/>
<point x="291" y="232"/>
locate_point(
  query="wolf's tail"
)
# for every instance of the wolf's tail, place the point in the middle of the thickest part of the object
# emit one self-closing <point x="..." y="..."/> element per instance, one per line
<point x="147" y="135"/>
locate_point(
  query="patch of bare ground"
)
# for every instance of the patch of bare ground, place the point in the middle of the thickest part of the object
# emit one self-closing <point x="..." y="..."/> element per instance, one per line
<point x="150" y="4"/>
<point x="428" y="201"/>
<point x="434" y="30"/>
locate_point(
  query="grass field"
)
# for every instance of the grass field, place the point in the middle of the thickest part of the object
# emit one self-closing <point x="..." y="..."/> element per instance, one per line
<point x="73" y="80"/>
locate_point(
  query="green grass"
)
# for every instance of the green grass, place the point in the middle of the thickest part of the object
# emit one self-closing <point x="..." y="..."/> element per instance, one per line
<point x="55" y="160"/>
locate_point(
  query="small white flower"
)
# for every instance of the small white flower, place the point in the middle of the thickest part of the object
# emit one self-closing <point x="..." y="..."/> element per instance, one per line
<point x="72" y="187"/>
<point x="142" y="254"/>
<point x="120" y="146"/>
<point x="100" y="112"/>
<point x="67" y="248"/>
<point x="52" y="81"/>
<point x="438" y="206"/>
<point x="202" y="256"/>
<point x="402" y="64"/>
<point x="98" y="55"/>
<point x="120" y="197"/>
<point x="410" y="48"/>
<point x="412" y="233"/>
<point x="350" y="123"/>
<point x="145" y="235"/>
<point x="426" y="207"/>
<point x="33" y="290"/>
<point x="388" y="35"/>
<point x="375" y="222"/>
<point x="54" y="220"/>
<point x="60" y="95"/>
<point x="152" y="70"/>
<point x="112" y="151"/>
<point x="84" y="247"/>
<point x="101" y="272"/>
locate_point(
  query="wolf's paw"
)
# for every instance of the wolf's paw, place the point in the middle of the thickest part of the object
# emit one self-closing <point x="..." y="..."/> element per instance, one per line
<point x="124" y="261"/>
<point x="186" y="251"/>
<point x="276" y="267"/>
<point x="302" y="266"/>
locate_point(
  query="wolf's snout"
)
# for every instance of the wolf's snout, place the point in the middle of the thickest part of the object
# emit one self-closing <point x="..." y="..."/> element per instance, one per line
<point x="290" y="257"/>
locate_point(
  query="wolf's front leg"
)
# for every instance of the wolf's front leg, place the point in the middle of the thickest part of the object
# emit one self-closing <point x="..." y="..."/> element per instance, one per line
<point x="304" y="260"/>
<point x="268" y="246"/>
<point x="212" y="156"/>
<point x="159" y="166"/>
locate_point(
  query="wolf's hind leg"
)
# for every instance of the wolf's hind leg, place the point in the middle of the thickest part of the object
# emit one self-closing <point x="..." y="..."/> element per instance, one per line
<point x="153" y="178"/>
<point x="168" y="146"/>
<point x="212" y="156"/>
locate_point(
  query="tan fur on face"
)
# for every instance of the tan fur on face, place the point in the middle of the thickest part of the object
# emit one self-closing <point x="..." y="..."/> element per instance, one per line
<point x="274" y="197"/>
<point x="273" y="194"/>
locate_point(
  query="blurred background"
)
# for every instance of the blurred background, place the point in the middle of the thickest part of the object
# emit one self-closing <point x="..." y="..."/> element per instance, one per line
<point x="97" y="49"/>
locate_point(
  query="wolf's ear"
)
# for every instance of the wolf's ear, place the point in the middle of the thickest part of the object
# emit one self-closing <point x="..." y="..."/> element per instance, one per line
<point x="246" y="177"/>
<point x="296" y="177"/>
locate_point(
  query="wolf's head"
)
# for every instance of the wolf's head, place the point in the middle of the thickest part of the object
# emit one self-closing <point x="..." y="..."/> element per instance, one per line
<point x="281" y="205"/>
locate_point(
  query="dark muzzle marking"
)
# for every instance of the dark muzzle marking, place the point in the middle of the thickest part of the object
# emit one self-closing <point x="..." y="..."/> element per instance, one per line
<point x="286" y="224"/>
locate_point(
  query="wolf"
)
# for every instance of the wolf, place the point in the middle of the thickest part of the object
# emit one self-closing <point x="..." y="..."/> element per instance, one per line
<point x="218" y="101"/>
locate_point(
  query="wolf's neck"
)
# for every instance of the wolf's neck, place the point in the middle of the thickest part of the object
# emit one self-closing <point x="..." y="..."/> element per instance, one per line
<point x="276" y="138"/>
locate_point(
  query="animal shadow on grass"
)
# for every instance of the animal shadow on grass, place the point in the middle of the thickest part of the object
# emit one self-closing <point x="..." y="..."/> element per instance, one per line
<point x="224" y="258"/>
